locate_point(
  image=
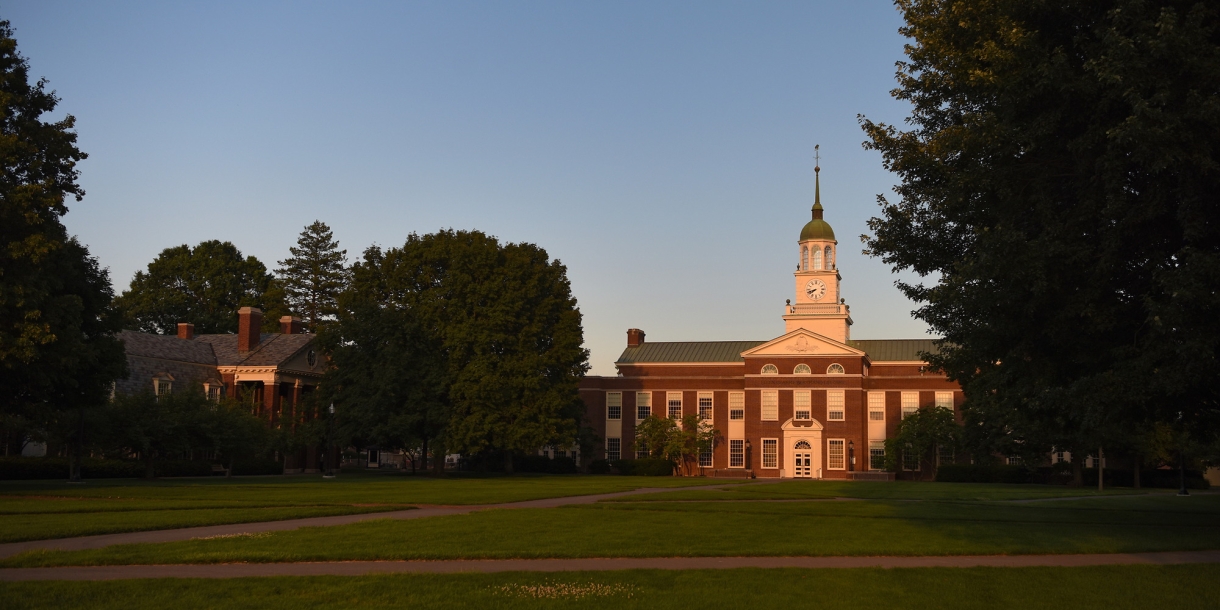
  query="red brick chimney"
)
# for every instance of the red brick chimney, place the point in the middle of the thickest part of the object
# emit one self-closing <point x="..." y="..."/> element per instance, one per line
<point x="186" y="331"/>
<point x="635" y="337"/>
<point x="249" y="328"/>
<point x="291" y="325"/>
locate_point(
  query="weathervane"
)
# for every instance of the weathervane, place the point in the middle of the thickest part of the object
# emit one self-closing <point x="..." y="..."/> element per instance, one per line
<point x="816" y="158"/>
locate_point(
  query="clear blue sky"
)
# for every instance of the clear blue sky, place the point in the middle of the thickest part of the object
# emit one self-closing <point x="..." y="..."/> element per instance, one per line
<point x="661" y="150"/>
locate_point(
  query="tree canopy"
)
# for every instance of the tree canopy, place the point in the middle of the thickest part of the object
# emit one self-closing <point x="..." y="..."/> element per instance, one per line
<point x="1059" y="195"/>
<point x="314" y="275"/>
<point x="205" y="286"/>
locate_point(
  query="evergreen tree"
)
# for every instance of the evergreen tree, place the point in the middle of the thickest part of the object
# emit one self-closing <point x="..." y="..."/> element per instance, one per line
<point x="205" y="286"/>
<point x="314" y="275"/>
<point x="1059" y="190"/>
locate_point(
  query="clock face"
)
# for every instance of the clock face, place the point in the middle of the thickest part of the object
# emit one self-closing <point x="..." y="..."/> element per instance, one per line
<point x="815" y="289"/>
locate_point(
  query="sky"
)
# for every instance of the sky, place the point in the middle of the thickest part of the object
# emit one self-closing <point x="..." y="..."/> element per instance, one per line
<point x="663" y="151"/>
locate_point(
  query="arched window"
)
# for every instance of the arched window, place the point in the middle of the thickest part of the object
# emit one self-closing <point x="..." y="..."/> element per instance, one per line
<point x="804" y="258"/>
<point x="835" y="369"/>
<point x="770" y="369"/>
<point x="817" y="259"/>
<point x="801" y="369"/>
<point x="802" y="445"/>
<point x="830" y="259"/>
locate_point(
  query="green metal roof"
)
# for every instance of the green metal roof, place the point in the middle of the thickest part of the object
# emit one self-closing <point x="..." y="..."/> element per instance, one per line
<point x="817" y="229"/>
<point x="895" y="350"/>
<point x="687" y="351"/>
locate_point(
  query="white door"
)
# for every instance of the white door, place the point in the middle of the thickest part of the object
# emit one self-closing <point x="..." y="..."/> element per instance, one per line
<point x="803" y="465"/>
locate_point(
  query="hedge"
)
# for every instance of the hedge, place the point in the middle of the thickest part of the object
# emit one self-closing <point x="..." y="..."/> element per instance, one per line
<point x="644" y="467"/>
<point x="599" y="467"/>
<point x="979" y="473"/>
<point x="27" y="468"/>
<point x="976" y="473"/>
<point x="542" y="463"/>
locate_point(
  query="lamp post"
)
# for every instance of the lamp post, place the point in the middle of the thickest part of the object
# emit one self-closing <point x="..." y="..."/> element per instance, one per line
<point x="330" y="444"/>
<point x="749" y="456"/>
<point x="851" y="456"/>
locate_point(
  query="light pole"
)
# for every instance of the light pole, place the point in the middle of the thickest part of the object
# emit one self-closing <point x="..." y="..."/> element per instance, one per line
<point x="330" y="444"/>
<point x="851" y="456"/>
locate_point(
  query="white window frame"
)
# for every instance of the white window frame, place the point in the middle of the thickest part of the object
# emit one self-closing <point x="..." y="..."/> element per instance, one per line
<point x="944" y="400"/>
<point x="770" y="453"/>
<point x="876" y="406"/>
<point x="737" y="453"/>
<point x="802" y="369"/>
<point x="670" y="399"/>
<point x="163" y="386"/>
<point x="876" y="450"/>
<point x="802" y="405"/>
<point x="737" y="406"/>
<point x="643" y="400"/>
<point x="769" y="369"/>
<point x="831" y="444"/>
<point x="910" y="403"/>
<point x="836" y="412"/>
<point x="704" y="400"/>
<point x="836" y="369"/>
<point x="705" y="457"/>
<point x="817" y="258"/>
<point x="770" y="405"/>
<point x="614" y="405"/>
<point x="614" y="448"/>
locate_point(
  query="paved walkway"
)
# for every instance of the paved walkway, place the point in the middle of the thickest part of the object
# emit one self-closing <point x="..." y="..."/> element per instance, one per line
<point x="174" y="535"/>
<point x="359" y="568"/>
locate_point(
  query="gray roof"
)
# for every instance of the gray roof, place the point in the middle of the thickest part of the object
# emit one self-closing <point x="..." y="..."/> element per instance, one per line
<point x="895" y="350"/>
<point x="881" y="350"/>
<point x="166" y="347"/>
<point x="687" y="351"/>
<point x="272" y="349"/>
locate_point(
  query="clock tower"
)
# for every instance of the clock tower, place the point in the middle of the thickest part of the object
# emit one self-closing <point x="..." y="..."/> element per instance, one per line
<point x="818" y="306"/>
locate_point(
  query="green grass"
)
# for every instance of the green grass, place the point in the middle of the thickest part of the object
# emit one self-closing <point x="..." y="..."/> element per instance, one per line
<point x="1106" y="587"/>
<point x="34" y="510"/>
<point x="658" y="529"/>
<point x="895" y="490"/>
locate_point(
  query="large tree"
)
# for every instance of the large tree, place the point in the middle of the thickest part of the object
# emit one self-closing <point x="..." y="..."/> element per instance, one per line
<point x="205" y="286"/>
<point x="1059" y="194"/>
<point x="58" y="354"/>
<point x="314" y="275"/>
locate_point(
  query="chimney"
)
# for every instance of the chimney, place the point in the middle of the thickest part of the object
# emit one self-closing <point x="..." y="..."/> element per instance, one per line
<point x="186" y="331"/>
<point x="635" y="337"/>
<point x="291" y="325"/>
<point x="249" y="328"/>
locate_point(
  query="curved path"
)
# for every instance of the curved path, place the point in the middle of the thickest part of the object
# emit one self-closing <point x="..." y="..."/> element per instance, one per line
<point x="175" y="535"/>
<point x="360" y="568"/>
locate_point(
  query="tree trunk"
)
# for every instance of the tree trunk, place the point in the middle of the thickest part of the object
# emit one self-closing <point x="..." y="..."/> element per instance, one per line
<point x="1101" y="469"/>
<point x="508" y="462"/>
<point x="438" y="457"/>
<point x="1077" y="470"/>
<point x="150" y="473"/>
<point x="1135" y="475"/>
<point x="423" y="456"/>
<point x="229" y="470"/>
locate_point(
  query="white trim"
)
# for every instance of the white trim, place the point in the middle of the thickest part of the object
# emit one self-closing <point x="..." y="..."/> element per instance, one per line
<point x="763" y="415"/>
<point x="830" y="457"/>
<point x="611" y="399"/>
<point x="669" y="397"/>
<point x="775" y="455"/>
<point x="842" y="407"/>
<point x="648" y="398"/>
<point x="711" y="408"/>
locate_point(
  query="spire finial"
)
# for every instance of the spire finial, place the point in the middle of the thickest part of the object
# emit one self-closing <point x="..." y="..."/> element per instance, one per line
<point x="817" y="182"/>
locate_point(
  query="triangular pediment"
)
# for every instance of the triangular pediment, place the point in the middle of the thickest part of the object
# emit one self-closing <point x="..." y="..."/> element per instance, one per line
<point x="802" y="342"/>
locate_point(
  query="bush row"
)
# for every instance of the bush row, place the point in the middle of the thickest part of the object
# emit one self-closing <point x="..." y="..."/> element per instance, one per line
<point x="978" y="473"/>
<point x="29" y="468"/>
<point x="644" y="467"/>
<point x="544" y="464"/>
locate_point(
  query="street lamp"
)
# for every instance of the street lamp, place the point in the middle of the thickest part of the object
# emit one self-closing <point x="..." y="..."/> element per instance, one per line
<point x="749" y="454"/>
<point x="330" y="444"/>
<point x="851" y="456"/>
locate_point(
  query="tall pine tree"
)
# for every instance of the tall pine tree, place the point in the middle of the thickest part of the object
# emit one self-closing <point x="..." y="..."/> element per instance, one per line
<point x="314" y="275"/>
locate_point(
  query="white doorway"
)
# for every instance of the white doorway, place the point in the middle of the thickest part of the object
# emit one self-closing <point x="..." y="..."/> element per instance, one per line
<point x="802" y="460"/>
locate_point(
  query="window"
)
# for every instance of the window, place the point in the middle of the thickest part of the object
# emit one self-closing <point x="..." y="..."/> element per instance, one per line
<point x="876" y="406"/>
<point x="643" y="405"/>
<point x="944" y="455"/>
<point x="1059" y="457"/>
<point x="215" y="392"/>
<point x="835" y="459"/>
<point x="311" y="358"/>
<point x="674" y="401"/>
<point x="705" y="457"/>
<point x="801" y="405"/>
<point x="614" y="405"/>
<point x="910" y="461"/>
<point x="705" y="405"/>
<point x="163" y="386"/>
<point x="834" y="405"/>
<point x="770" y="369"/>
<point x="737" y="454"/>
<point x="910" y="403"/>
<point x="817" y="259"/>
<point x="802" y="369"/>
<point x="804" y="258"/>
<point x="641" y="450"/>
<point x="614" y="448"/>
<point x="737" y="405"/>
<point x="830" y="258"/>
<point x="1015" y="460"/>
<point x="944" y="400"/>
<point x="835" y="369"/>
<point x="770" y="453"/>
<point x="876" y="455"/>
<point x="770" y="405"/>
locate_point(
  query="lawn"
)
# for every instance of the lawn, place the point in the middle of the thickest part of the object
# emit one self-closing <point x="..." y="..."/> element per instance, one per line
<point x="895" y="490"/>
<point x="1106" y="587"/>
<point x="664" y="529"/>
<point x="33" y="510"/>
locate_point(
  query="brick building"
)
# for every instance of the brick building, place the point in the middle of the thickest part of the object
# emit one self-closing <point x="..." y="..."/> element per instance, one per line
<point x="812" y="403"/>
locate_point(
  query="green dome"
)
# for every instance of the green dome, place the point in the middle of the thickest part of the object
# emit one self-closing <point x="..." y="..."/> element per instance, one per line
<point x="817" y="228"/>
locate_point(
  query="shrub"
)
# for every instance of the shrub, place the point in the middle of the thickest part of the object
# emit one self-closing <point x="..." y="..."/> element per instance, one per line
<point x="979" y="473"/>
<point x="21" y="468"/>
<point x="644" y="467"/>
<point x="599" y="467"/>
<point x="542" y="463"/>
<point x="249" y="466"/>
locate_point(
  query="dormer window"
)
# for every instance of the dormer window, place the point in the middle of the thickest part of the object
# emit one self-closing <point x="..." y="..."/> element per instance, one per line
<point x="835" y="369"/>
<point x="802" y="369"/>
<point x="770" y="369"/>
<point x="163" y="386"/>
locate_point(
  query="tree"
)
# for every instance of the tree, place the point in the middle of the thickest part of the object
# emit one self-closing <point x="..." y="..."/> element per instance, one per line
<point x="58" y="353"/>
<point x="158" y="426"/>
<point x="233" y="431"/>
<point x="1058" y="191"/>
<point x="679" y="441"/>
<point x="314" y="275"/>
<point x="205" y="286"/>
<point x="922" y="434"/>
